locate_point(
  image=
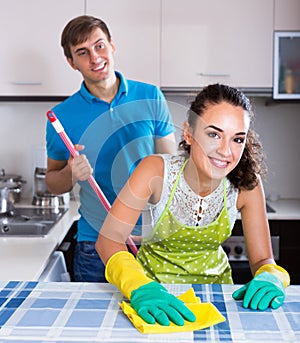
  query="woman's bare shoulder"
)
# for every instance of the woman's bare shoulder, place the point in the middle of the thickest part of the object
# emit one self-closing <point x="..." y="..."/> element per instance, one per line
<point x="153" y="163"/>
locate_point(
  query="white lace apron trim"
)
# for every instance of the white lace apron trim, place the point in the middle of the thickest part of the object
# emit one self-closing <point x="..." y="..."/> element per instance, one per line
<point x="185" y="204"/>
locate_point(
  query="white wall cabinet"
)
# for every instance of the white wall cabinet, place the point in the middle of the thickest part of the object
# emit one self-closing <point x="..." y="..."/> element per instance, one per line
<point x="287" y="15"/>
<point x="32" y="61"/>
<point x="135" y="29"/>
<point x="170" y="43"/>
<point x="217" y="41"/>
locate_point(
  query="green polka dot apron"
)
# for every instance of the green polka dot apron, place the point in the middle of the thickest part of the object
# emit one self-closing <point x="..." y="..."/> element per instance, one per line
<point x="177" y="253"/>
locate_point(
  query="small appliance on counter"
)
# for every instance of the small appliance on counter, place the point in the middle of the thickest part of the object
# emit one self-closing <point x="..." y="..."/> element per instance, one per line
<point x="41" y="195"/>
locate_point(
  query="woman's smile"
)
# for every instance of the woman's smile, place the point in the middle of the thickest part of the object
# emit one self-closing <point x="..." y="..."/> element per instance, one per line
<point x="218" y="163"/>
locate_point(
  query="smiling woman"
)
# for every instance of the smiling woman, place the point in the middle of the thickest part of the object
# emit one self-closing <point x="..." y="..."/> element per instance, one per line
<point x="218" y="143"/>
<point x="218" y="175"/>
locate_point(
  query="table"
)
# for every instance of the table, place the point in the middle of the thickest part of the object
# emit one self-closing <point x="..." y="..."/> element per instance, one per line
<point x="89" y="312"/>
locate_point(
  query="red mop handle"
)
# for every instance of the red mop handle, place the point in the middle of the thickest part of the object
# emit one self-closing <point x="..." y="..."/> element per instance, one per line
<point x="60" y="130"/>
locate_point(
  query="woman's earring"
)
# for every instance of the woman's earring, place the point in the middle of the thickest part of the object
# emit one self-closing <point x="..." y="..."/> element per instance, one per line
<point x="187" y="139"/>
<point x="186" y="133"/>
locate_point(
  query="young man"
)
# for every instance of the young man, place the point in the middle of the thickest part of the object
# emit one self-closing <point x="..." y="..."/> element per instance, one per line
<point x="115" y="121"/>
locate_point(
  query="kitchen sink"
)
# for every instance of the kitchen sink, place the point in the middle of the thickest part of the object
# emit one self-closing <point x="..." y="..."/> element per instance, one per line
<point x="29" y="221"/>
<point x="26" y="229"/>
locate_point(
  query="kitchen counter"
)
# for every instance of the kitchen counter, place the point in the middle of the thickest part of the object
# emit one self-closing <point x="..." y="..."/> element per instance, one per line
<point x="86" y="312"/>
<point x="285" y="209"/>
<point x="25" y="258"/>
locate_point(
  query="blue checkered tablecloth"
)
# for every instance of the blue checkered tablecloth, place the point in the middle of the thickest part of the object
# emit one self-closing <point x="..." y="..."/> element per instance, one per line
<point x="86" y="312"/>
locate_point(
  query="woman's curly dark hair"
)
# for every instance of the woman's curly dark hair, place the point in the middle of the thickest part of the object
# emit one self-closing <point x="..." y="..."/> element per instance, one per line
<point x="251" y="165"/>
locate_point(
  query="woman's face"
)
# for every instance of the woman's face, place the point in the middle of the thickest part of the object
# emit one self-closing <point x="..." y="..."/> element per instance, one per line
<point x="218" y="140"/>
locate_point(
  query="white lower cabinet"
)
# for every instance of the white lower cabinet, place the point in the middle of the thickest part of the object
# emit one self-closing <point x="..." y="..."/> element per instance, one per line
<point x="56" y="270"/>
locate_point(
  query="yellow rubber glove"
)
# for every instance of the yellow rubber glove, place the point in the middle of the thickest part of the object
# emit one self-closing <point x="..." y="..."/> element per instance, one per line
<point x="278" y="271"/>
<point x="152" y="302"/>
<point x="265" y="290"/>
<point x="123" y="271"/>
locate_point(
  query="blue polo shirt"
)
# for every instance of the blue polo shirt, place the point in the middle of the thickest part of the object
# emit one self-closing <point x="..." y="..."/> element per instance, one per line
<point x="116" y="136"/>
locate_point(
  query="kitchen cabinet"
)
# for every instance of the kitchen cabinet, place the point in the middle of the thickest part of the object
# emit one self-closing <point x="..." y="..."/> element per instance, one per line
<point x="56" y="269"/>
<point x="67" y="247"/>
<point x="32" y="61"/>
<point x="287" y="15"/>
<point x="289" y="246"/>
<point x="216" y="41"/>
<point x="135" y="29"/>
<point x="286" y="65"/>
<point x="289" y="249"/>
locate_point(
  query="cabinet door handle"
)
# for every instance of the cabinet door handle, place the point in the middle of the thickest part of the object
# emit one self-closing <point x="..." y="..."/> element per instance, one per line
<point x="213" y="74"/>
<point x="27" y="83"/>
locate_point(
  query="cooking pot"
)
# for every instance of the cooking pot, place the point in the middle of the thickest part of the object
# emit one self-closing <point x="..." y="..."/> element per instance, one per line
<point x="8" y="193"/>
<point x="15" y="181"/>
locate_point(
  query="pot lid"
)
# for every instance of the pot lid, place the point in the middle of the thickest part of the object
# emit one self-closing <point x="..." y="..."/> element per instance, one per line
<point x="9" y="177"/>
<point x="8" y="185"/>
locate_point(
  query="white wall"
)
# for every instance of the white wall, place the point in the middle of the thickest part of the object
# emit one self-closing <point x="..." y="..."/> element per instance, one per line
<point x="279" y="129"/>
<point x="22" y="128"/>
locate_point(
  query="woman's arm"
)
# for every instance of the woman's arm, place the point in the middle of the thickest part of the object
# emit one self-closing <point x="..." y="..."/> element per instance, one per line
<point x="151" y="300"/>
<point x="256" y="227"/>
<point x="145" y="184"/>
<point x="266" y="289"/>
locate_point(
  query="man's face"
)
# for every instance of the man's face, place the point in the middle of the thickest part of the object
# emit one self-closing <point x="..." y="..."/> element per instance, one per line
<point x="94" y="57"/>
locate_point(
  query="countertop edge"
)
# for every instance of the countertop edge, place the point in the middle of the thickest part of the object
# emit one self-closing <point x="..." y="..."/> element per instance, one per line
<point x="25" y="258"/>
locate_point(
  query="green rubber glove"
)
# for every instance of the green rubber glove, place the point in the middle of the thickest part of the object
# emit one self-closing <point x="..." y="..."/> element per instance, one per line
<point x="263" y="291"/>
<point x="153" y="303"/>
